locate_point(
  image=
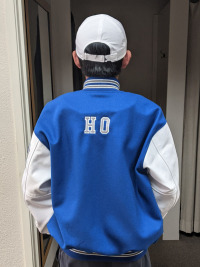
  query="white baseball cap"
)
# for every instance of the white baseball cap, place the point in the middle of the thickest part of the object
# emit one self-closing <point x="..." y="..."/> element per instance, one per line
<point x="104" y="29"/>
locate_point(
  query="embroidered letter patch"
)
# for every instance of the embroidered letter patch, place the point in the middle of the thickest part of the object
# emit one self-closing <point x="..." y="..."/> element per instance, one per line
<point x="90" y="126"/>
<point x="107" y="121"/>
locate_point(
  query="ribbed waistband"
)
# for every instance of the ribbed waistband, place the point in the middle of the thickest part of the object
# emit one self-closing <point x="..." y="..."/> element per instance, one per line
<point x="126" y="257"/>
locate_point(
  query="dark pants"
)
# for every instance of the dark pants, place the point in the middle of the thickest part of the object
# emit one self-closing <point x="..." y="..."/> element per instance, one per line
<point x="67" y="261"/>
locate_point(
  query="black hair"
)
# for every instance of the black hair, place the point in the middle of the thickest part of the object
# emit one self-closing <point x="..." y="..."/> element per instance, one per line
<point x="100" y="69"/>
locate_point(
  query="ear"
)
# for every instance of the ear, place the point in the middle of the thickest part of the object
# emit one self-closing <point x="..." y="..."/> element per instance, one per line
<point x="76" y="59"/>
<point x="126" y="59"/>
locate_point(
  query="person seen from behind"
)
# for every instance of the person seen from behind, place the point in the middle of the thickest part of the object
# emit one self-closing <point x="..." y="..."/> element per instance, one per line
<point x="102" y="169"/>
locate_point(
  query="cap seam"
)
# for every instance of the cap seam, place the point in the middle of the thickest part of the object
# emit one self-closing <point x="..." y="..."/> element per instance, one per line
<point x="100" y="29"/>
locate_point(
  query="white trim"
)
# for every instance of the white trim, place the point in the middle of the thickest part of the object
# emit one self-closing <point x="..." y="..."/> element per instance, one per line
<point x="101" y="83"/>
<point x="100" y="86"/>
<point x="19" y="85"/>
<point x="179" y="12"/>
<point x="128" y="254"/>
<point x="111" y="81"/>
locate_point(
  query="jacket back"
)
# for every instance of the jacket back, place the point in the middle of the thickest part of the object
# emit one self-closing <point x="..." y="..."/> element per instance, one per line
<point x="96" y="189"/>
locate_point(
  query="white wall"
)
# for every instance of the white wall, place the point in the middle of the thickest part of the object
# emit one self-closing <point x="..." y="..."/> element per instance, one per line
<point x="11" y="245"/>
<point x="137" y="18"/>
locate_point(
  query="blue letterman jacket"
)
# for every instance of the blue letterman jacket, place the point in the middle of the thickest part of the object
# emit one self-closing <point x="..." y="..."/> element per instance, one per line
<point x="101" y="172"/>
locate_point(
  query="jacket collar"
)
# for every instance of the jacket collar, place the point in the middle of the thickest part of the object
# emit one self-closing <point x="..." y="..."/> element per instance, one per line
<point x="101" y="83"/>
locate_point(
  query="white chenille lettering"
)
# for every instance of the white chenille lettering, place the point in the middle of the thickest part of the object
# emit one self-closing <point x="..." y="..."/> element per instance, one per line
<point x="90" y="125"/>
<point x="107" y="120"/>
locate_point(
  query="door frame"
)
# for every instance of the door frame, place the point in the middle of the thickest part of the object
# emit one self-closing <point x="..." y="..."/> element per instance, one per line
<point x="176" y="82"/>
<point x="47" y="7"/>
<point x="22" y="115"/>
<point x="15" y="22"/>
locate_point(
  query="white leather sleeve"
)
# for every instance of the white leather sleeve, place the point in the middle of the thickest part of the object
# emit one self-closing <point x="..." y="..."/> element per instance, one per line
<point x="36" y="183"/>
<point x="161" y="161"/>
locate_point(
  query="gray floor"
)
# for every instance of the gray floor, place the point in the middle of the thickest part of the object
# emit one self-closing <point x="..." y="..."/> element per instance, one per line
<point x="184" y="252"/>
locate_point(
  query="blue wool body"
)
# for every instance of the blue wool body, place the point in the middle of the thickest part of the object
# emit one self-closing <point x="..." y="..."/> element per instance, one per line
<point x="102" y="198"/>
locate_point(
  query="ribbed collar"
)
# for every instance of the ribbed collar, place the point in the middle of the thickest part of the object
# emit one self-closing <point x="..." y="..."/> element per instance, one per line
<point x="101" y="83"/>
